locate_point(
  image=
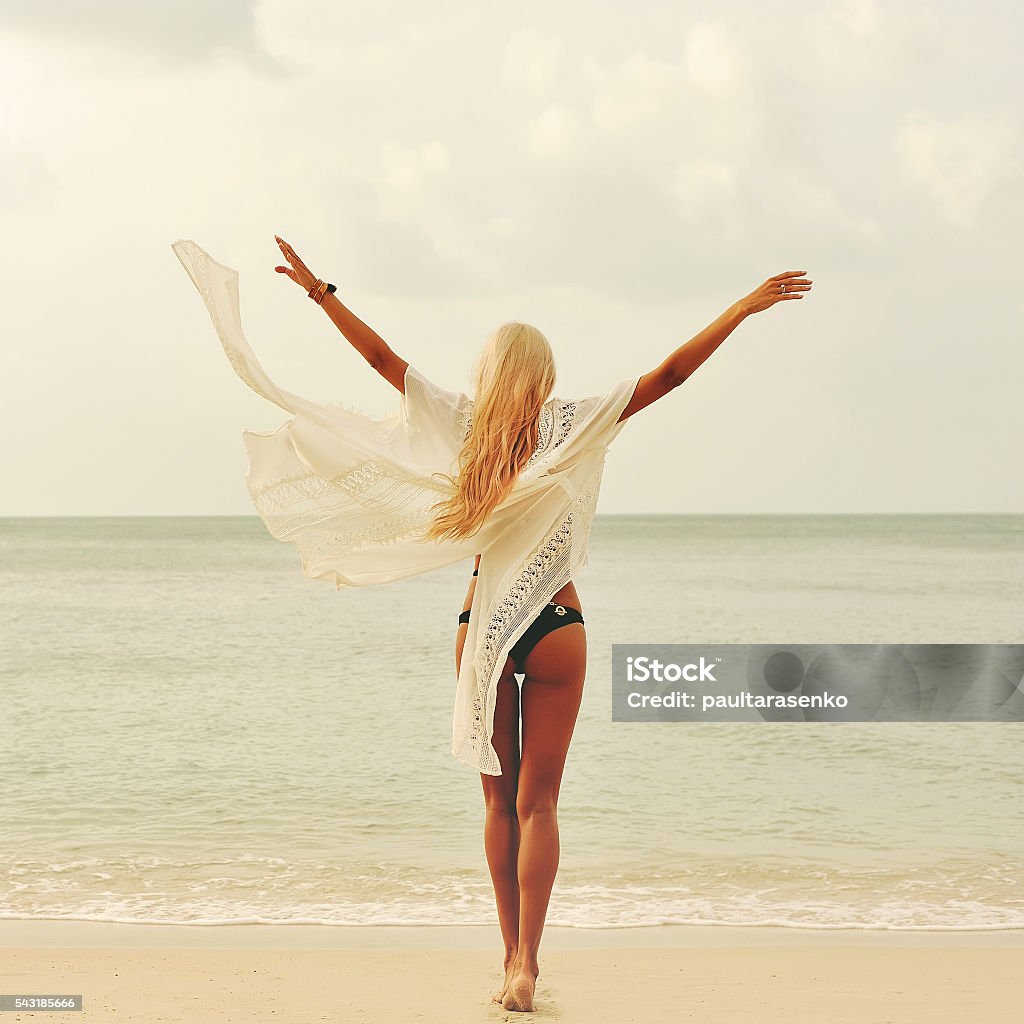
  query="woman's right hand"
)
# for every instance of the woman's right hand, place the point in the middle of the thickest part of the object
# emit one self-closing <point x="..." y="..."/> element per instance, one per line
<point x="297" y="270"/>
<point x="770" y="292"/>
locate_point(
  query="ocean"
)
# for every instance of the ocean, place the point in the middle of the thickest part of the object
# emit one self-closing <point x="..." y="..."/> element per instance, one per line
<point x="194" y="733"/>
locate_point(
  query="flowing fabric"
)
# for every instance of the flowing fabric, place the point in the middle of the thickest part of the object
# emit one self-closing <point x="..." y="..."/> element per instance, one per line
<point x="354" y="495"/>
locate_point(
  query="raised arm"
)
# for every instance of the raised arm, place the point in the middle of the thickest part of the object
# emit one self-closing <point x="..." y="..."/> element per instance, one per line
<point x="364" y="339"/>
<point x="680" y="364"/>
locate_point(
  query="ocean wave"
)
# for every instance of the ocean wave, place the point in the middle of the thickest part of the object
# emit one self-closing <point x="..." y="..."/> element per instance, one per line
<point x="957" y="894"/>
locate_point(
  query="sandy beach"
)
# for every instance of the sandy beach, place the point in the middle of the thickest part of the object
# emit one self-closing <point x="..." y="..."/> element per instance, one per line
<point x="156" y="973"/>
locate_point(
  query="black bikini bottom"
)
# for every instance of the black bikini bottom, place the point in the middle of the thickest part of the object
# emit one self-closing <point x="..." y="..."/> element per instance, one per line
<point x="551" y="617"/>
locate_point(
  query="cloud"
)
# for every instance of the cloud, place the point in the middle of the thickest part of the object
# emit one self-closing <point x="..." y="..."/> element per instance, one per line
<point x="958" y="162"/>
<point x="859" y="17"/>
<point x="632" y="94"/>
<point x="178" y="30"/>
<point x="405" y="255"/>
<point x="554" y="133"/>
<point x="711" y="58"/>
<point x="455" y="164"/>
<point x="403" y="179"/>
<point x="532" y="61"/>
<point x="702" y="182"/>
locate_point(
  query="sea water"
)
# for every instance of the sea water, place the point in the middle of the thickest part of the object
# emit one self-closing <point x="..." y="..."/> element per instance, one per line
<point x="193" y="732"/>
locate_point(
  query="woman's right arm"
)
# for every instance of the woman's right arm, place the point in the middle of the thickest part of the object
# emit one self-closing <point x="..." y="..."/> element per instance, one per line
<point x="681" y="363"/>
<point x="364" y="339"/>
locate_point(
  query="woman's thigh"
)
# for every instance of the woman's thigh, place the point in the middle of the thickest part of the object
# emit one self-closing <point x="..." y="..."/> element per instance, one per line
<point x="552" y="692"/>
<point x="500" y="790"/>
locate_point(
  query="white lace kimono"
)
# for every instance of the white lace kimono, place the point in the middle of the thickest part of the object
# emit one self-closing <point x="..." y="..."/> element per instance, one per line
<point x="353" y="495"/>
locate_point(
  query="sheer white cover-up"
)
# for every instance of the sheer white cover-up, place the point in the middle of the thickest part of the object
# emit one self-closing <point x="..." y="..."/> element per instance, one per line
<point x="353" y="495"/>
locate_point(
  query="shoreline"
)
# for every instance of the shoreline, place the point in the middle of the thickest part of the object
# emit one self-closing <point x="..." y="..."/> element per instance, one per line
<point x="52" y="933"/>
<point x="181" y="974"/>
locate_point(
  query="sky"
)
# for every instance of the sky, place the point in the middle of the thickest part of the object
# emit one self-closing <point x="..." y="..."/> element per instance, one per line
<point x="617" y="175"/>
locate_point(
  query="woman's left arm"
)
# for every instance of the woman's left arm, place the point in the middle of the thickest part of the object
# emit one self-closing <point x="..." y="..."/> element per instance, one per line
<point x="364" y="339"/>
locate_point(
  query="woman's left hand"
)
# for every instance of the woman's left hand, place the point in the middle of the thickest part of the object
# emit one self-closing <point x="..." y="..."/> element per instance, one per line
<point x="791" y="284"/>
<point x="297" y="270"/>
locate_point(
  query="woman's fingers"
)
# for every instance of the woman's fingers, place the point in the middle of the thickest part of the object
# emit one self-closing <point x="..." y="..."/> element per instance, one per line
<point x="291" y="256"/>
<point x="285" y="248"/>
<point x="790" y="284"/>
<point x="297" y="271"/>
<point x="785" y="286"/>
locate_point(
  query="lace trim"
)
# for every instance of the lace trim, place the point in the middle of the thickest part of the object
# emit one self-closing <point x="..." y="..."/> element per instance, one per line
<point x="279" y="494"/>
<point x="320" y="544"/>
<point x="550" y="566"/>
<point x="369" y="505"/>
<point x="544" y="432"/>
<point x="566" y="421"/>
<point x="465" y="419"/>
<point x="550" y="436"/>
<point x="199" y="261"/>
<point x="357" y="411"/>
<point x="360" y="478"/>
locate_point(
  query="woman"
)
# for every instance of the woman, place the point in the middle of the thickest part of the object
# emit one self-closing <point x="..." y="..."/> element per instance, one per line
<point x="511" y="476"/>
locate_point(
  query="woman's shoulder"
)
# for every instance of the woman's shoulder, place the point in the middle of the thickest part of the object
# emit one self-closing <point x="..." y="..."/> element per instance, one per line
<point x="427" y="403"/>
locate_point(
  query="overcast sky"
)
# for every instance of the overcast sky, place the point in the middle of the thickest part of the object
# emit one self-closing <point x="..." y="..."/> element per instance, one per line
<point x="616" y="174"/>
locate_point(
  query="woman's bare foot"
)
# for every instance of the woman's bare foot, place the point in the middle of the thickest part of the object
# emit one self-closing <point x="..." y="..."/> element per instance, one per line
<point x="519" y="993"/>
<point x="509" y="971"/>
<point x="509" y="967"/>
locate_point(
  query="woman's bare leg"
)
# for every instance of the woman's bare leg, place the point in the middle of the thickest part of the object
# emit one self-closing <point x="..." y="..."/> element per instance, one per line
<point x="501" y="826"/>
<point x="550" y="702"/>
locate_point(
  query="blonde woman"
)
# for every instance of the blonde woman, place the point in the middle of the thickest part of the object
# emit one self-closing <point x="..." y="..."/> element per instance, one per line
<point x="510" y="477"/>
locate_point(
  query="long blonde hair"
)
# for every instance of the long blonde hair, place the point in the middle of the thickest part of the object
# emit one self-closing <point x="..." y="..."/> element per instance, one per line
<point x="514" y="375"/>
